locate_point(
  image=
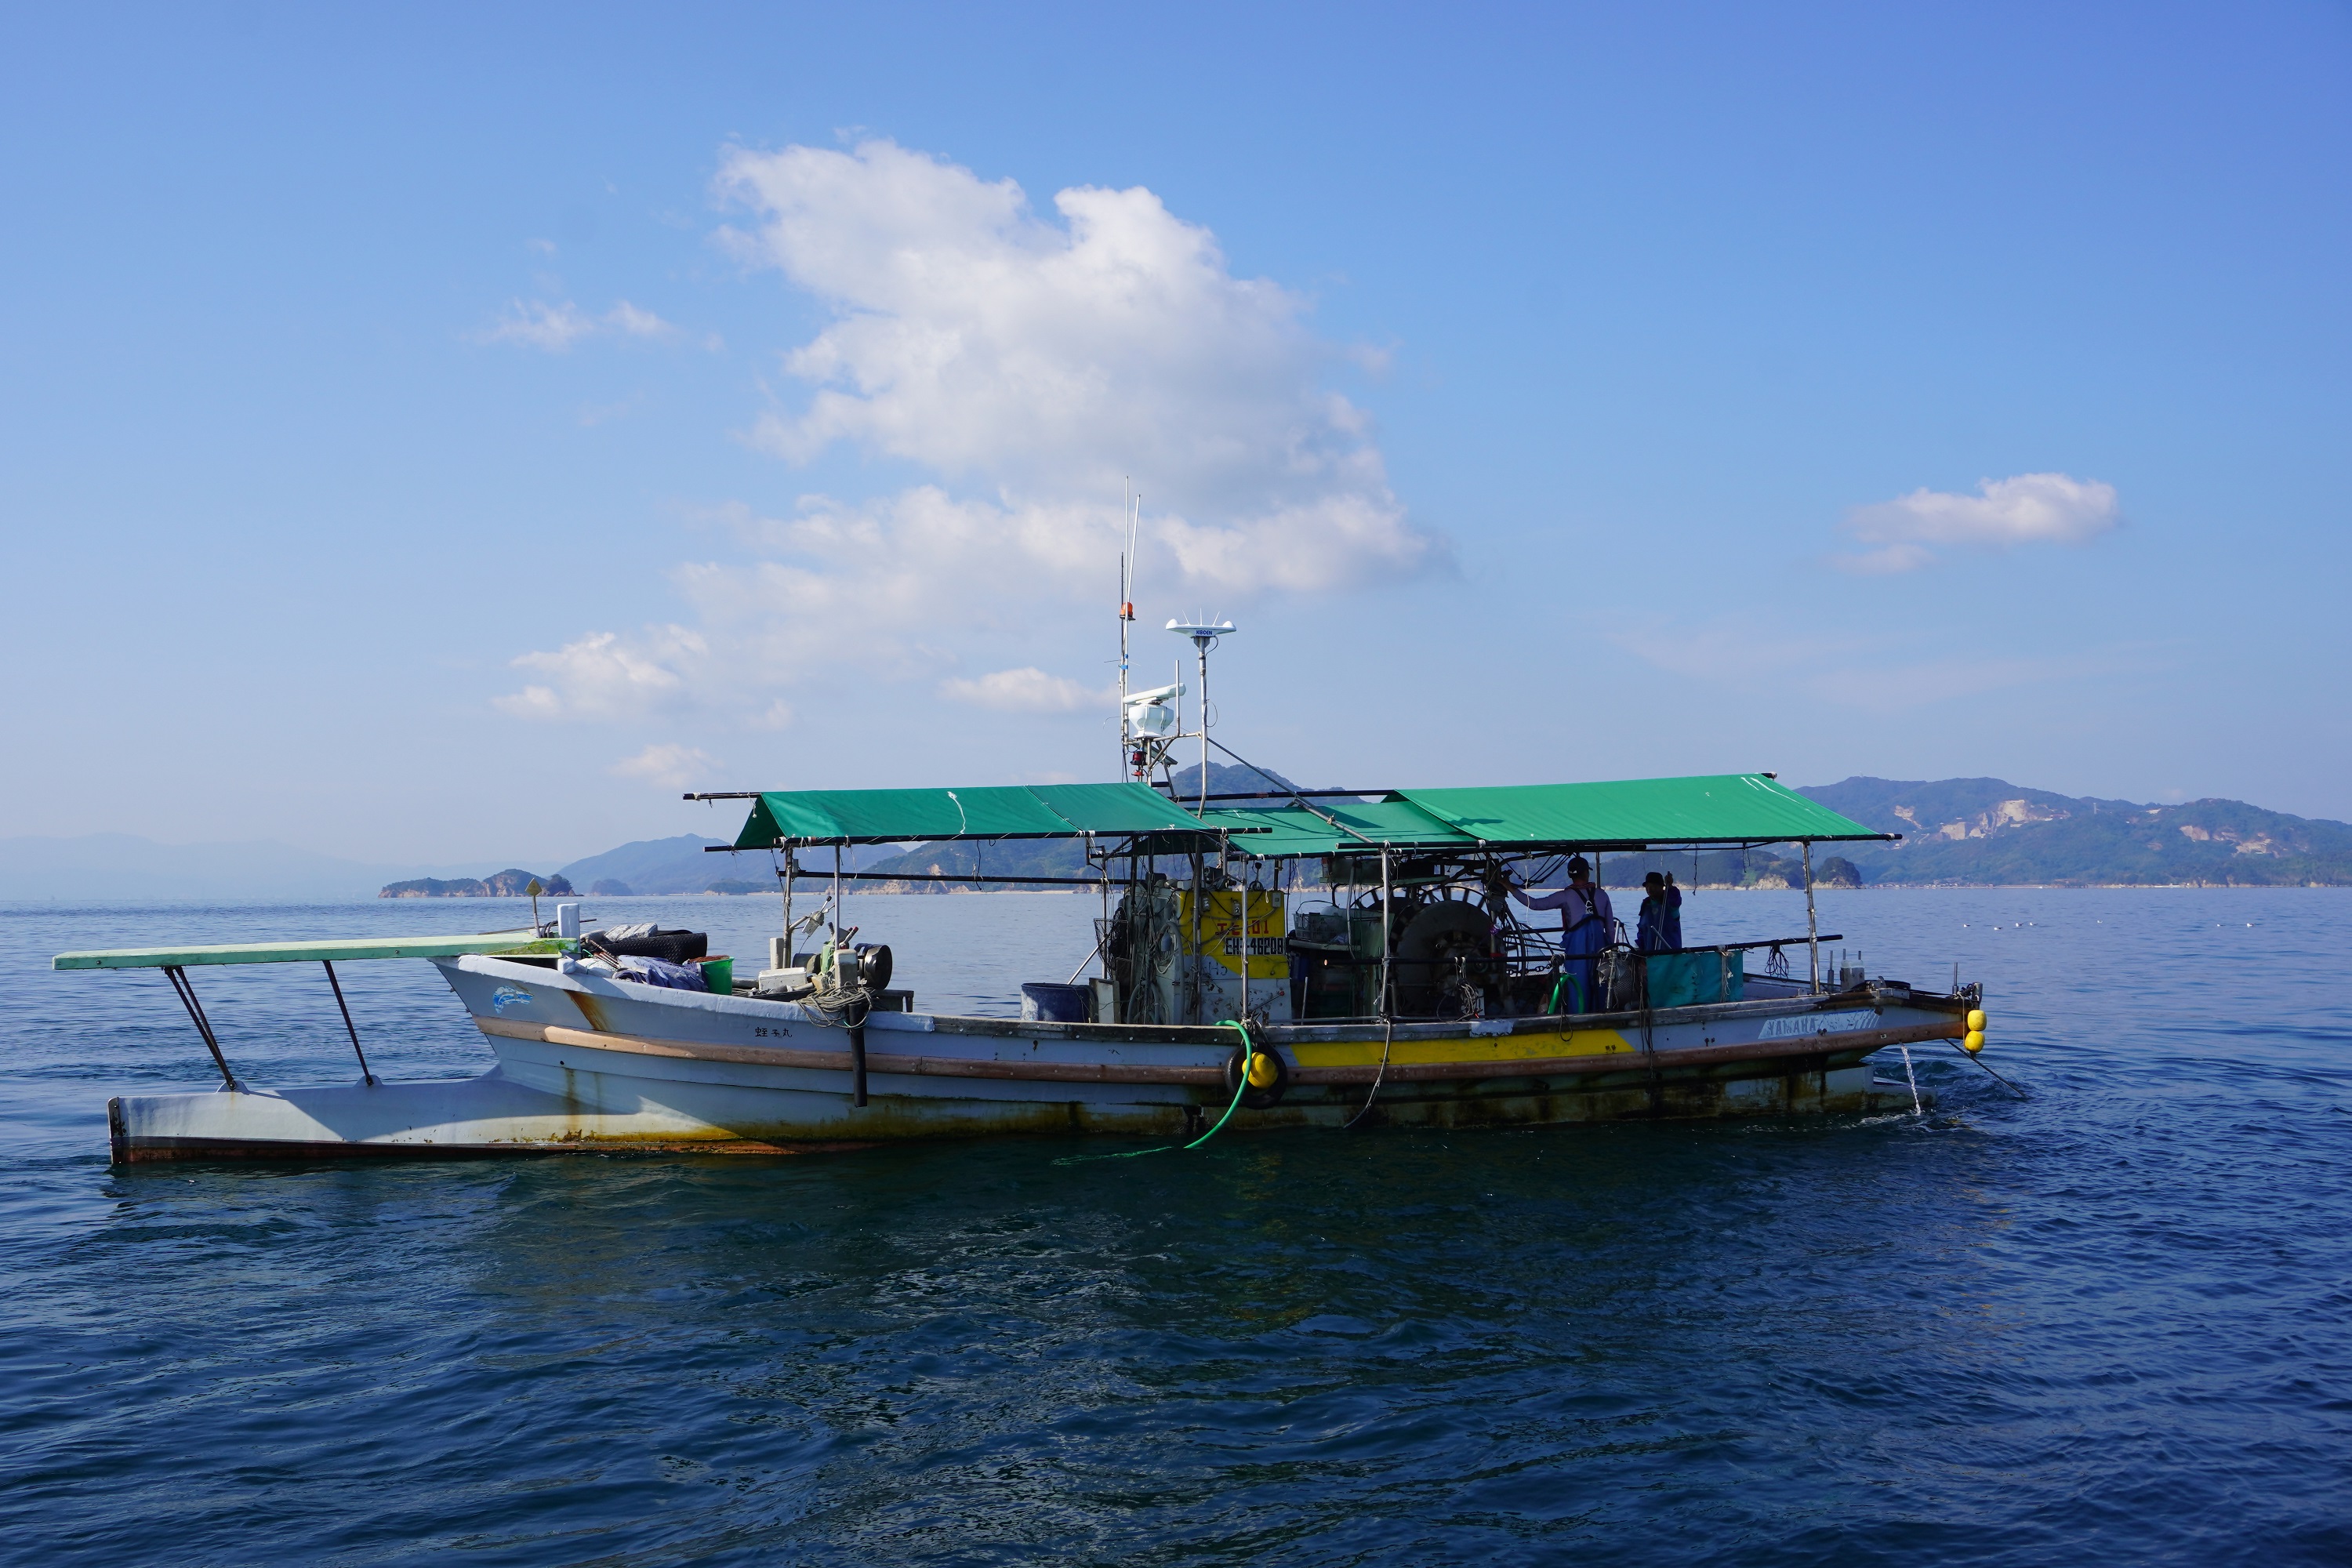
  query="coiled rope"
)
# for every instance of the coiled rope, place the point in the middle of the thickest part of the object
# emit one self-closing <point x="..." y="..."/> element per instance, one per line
<point x="840" y="1009"/>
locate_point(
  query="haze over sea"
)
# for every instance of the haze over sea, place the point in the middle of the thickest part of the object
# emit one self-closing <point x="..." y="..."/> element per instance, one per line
<point x="2110" y="1321"/>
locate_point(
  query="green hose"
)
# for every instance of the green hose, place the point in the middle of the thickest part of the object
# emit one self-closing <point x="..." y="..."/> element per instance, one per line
<point x="1249" y="1054"/>
<point x="1567" y="979"/>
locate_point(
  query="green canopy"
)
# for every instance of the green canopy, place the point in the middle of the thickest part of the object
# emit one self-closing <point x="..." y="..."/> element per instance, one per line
<point x="1629" y="813"/>
<point x="1015" y="811"/>
<point x="1635" y="813"/>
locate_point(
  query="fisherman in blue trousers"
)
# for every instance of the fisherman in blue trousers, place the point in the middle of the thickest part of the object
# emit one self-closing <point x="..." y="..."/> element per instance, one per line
<point x="1586" y="921"/>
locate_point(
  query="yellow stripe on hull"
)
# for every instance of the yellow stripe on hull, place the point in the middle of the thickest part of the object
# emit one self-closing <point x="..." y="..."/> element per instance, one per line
<point x="1492" y="1049"/>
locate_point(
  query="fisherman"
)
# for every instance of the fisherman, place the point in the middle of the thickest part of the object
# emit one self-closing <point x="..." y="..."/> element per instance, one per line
<point x="1586" y="921"/>
<point x="1659" y="927"/>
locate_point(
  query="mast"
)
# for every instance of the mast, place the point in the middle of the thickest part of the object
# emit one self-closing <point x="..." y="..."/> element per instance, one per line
<point x="1130" y="519"/>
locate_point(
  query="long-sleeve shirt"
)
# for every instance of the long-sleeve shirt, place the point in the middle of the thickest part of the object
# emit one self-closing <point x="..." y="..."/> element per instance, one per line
<point x="1585" y="919"/>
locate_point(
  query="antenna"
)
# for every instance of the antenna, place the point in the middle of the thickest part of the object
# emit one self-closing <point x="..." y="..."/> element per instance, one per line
<point x="1205" y="634"/>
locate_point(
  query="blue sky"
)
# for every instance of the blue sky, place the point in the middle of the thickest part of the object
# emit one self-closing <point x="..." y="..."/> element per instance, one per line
<point x="444" y="433"/>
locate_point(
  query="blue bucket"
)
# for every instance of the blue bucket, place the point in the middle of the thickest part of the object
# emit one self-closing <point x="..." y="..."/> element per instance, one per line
<point x="1057" y="1004"/>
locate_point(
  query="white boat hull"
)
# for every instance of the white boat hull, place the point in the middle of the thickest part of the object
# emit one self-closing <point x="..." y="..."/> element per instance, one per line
<point x="587" y="1063"/>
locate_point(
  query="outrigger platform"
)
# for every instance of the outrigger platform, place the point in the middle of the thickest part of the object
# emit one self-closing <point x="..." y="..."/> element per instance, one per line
<point x="1282" y="960"/>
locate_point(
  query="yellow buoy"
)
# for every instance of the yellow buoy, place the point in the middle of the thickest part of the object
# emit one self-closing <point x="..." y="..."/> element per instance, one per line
<point x="1263" y="1071"/>
<point x="1973" y="1041"/>
<point x="1976" y="1020"/>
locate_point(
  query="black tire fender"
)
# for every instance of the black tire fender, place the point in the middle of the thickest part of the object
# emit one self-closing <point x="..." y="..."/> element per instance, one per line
<point x="1254" y="1097"/>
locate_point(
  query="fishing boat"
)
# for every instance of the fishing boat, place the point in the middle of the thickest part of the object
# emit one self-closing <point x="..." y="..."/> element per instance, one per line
<point x="1268" y="959"/>
<point x="1288" y="959"/>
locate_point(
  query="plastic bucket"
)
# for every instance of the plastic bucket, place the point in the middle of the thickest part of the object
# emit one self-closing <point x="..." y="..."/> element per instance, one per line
<point x="719" y="974"/>
<point x="1057" y="1004"/>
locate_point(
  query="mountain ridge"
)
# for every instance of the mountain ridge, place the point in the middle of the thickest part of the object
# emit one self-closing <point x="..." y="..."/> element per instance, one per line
<point x="1986" y="832"/>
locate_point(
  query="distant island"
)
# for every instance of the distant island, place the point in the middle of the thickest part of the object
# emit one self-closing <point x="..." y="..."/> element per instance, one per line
<point x="510" y="883"/>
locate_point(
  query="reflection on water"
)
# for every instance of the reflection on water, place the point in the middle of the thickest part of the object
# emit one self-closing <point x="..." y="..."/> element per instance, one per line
<point x="2109" y="1318"/>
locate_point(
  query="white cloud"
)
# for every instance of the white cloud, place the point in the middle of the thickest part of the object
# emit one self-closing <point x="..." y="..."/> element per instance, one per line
<point x="1050" y="360"/>
<point x="607" y="676"/>
<point x="537" y="324"/>
<point x="627" y="319"/>
<point x="670" y="766"/>
<point x="1027" y="690"/>
<point x="1029" y="365"/>
<point x="2026" y="509"/>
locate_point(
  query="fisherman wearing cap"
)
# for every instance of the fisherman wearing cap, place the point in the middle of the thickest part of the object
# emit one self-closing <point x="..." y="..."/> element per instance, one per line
<point x="1659" y="928"/>
<point x="1585" y="923"/>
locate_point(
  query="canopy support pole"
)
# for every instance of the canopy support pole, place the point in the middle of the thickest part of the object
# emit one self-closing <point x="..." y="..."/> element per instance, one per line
<point x="187" y="994"/>
<point x="789" y="874"/>
<point x="366" y="1077"/>
<point x="1386" y="940"/>
<point x="1192" y="980"/>
<point x="1812" y="926"/>
<point x="1247" y="870"/>
<point x="857" y="1030"/>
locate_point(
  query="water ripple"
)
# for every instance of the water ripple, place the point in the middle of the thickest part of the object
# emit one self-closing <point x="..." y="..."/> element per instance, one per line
<point x="2108" y="1319"/>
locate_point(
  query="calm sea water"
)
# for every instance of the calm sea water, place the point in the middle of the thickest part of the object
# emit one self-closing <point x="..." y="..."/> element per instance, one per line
<point x="2107" y="1323"/>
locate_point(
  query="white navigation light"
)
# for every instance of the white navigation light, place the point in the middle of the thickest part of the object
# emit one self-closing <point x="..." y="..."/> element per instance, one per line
<point x="1151" y="715"/>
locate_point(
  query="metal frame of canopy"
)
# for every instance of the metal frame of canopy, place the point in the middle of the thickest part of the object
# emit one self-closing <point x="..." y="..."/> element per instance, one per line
<point x="1491" y="823"/>
<point x="1481" y="822"/>
<point x="1746" y="809"/>
<point x="791" y="820"/>
<point x="174" y="963"/>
